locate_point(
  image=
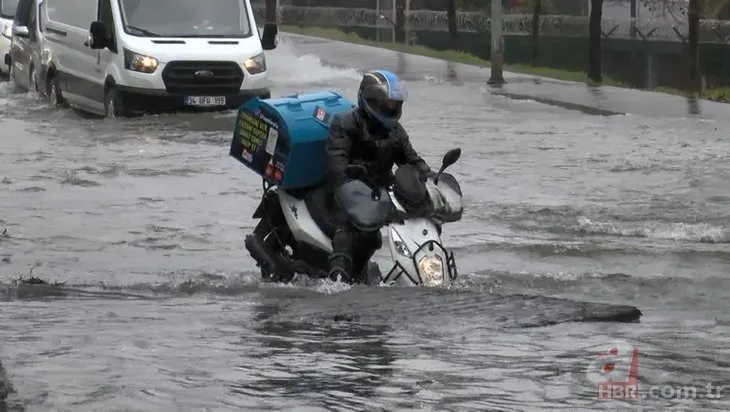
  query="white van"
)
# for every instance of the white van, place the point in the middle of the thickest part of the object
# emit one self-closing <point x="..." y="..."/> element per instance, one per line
<point x="7" y="14"/>
<point x="121" y="57"/>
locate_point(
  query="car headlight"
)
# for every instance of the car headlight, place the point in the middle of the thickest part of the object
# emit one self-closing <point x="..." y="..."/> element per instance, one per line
<point x="8" y="31"/>
<point x="431" y="269"/>
<point x="139" y="62"/>
<point x="256" y="64"/>
<point x="399" y="244"/>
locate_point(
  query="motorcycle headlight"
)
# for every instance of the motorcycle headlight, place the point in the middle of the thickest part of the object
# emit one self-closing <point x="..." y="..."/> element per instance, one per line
<point x="8" y="31"/>
<point x="256" y="64"/>
<point x="139" y="62"/>
<point x="431" y="269"/>
<point x="398" y="244"/>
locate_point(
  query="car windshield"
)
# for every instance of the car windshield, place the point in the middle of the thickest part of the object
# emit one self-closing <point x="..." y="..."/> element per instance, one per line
<point x="185" y="18"/>
<point x="7" y="8"/>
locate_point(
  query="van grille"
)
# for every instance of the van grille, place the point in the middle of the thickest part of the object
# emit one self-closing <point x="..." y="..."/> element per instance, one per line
<point x="180" y="77"/>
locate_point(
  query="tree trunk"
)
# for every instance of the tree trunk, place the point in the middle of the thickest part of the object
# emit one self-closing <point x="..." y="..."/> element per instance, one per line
<point x="595" y="41"/>
<point x="451" y="17"/>
<point x="536" y="10"/>
<point x="400" y="21"/>
<point x="693" y="47"/>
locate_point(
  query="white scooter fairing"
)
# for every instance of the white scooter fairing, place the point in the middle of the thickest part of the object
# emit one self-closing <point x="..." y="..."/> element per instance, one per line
<point x="301" y="224"/>
<point x="415" y="244"/>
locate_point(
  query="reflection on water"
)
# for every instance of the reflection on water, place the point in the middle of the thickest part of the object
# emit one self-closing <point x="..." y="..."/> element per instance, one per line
<point x="451" y="73"/>
<point x="402" y="64"/>
<point x="333" y="364"/>
<point x="693" y="106"/>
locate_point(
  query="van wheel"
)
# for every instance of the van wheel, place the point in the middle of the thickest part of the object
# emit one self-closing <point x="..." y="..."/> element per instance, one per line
<point x="11" y="80"/>
<point x="55" y="96"/>
<point x="33" y="80"/>
<point x="113" y="104"/>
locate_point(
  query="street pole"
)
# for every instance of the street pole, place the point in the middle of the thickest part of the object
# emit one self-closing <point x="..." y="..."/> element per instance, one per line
<point x="405" y="23"/>
<point x="393" y="18"/>
<point x="377" y="20"/>
<point x="497" y="57"/>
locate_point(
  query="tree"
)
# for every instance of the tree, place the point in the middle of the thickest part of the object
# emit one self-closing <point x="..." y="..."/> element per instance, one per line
<point x="693" y="46"/>
<point x="451" y="17"/>
<point x="536" y="10"/>
<point x="594" y="41"/>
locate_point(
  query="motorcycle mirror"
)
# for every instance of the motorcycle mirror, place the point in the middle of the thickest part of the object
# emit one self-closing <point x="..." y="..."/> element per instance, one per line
<point x="451" y="157"/>
<point x="356" y="172"/>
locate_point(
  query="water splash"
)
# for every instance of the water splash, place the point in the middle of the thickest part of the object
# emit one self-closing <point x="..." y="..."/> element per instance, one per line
<point x="287" y="68"/>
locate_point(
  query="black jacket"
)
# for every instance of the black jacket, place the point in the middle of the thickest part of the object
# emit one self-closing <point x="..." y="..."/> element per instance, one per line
<point x="353" y="141"/>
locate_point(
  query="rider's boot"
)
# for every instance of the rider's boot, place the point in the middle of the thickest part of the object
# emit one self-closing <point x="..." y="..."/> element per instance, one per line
<point x="340" y="268"/>
<point x="340" y="260"/>
<point x="368" y="244"/>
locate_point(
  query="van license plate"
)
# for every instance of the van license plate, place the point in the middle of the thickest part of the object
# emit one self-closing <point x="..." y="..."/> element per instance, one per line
<point x="205" y="101"/>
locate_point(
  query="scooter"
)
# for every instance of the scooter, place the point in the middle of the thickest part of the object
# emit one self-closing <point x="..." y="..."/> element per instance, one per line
<point x="294" y="232"/>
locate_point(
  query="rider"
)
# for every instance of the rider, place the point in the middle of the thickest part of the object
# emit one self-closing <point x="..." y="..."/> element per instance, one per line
<point x="369" y="135"/>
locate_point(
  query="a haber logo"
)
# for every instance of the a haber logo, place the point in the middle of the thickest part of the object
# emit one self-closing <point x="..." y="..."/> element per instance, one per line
<point x="616" y="371"/>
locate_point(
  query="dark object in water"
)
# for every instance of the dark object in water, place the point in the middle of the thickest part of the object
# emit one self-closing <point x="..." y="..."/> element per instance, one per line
<point x="6" y="388"/>
<point x="32" y="281"/>
<point x="344" y="317"/>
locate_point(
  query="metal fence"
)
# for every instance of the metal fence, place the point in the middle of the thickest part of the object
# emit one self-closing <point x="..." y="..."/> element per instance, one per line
<point x="711" y="31"/>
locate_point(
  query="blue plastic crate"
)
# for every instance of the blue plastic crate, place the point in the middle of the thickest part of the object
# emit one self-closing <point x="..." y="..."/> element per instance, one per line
<point x="283" y="139"/>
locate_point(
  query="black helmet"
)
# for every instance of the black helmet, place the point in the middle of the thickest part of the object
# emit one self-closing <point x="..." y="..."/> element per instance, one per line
<point x="381" y="95"/>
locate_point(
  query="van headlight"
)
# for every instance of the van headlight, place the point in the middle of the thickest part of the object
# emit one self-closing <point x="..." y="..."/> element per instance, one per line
<point x="139" y="62"/>
<point x="256" y="64"/>
<point x="431" y="269"/>
<point x="398" y="244"/>
<point x="8" y="31"/>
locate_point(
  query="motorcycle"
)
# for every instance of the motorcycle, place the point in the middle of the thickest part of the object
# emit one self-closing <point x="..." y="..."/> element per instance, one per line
<point x="294" y="231"/>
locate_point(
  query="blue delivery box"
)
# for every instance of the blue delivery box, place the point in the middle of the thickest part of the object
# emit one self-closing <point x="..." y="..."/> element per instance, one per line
<point x="283" y="139"/>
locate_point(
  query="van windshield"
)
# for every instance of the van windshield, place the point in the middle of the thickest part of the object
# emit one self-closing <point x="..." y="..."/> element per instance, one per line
<point x="185" y="18"/>
<point x="7" y="8"/>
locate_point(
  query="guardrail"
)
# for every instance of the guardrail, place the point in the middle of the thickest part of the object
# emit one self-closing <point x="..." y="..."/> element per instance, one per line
<point x="711" y="31"/>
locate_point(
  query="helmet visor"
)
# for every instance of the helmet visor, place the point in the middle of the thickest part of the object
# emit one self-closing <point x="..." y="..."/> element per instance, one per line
<point x="387" y="108"/>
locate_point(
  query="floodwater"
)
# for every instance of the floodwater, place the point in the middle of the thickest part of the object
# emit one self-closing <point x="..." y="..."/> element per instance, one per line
<point x="144" y="221"/>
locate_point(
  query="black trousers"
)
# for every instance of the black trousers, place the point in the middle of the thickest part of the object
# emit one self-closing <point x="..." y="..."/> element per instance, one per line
<point x="352" y="248"/>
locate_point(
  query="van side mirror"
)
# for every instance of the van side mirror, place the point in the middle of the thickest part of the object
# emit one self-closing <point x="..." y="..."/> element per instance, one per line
<point x="21" y="31"/>
<point x="269" y="39"/>
<point x="97" y="36"/>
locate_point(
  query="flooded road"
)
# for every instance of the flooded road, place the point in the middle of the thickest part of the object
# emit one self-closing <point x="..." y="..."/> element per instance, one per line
<point x="144" y="221"/>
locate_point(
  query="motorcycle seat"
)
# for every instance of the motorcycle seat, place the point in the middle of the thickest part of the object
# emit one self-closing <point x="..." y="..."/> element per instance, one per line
<point x="319" y="206"/>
